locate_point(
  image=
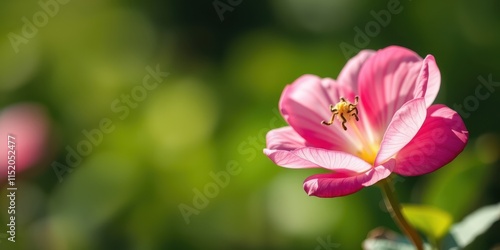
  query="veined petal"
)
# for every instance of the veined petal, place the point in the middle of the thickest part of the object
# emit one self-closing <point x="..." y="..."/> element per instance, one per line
<point x="339" y="184"/>
<point x="279" y="144"/>
<point x="287" y="159"/>
<point x="305" y="103"/>
<point x="404" y="126"/>
<point x="333" y="160"/>
<point x="442" y="137"/>
<point x="387" y="81"/>
<point x="350" y="72"/>
<point x="380" y="172"/>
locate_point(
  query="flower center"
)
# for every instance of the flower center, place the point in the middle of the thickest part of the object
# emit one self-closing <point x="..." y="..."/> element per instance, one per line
<point x="346" y="111"/>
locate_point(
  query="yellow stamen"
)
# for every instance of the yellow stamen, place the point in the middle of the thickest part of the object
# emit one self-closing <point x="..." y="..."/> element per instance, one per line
<point x="345" y="110"/>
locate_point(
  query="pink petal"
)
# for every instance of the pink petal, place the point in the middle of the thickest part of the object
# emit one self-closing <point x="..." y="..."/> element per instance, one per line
<point x="333" y="160"/>
<point x="402" y="129"/>
<point x="350" y="72"/>
<point x="287" y="159"/>
<point x="442" y="137"/>
<point x="380" y="172"/>
<point x="279" y="144"/>
<point x="339" y="184"/>
<point x="284" y="138"/>
<point x="428" y="81"/>
<point x="305" y="103"/>
<point x="387" y="80"/>
<point x="30" y="125"/>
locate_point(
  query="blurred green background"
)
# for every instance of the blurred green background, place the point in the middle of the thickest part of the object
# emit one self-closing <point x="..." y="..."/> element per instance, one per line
<point x="227" y="63"/>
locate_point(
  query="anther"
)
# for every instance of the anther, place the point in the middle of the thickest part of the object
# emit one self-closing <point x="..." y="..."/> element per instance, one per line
<point x="345" y="110"/>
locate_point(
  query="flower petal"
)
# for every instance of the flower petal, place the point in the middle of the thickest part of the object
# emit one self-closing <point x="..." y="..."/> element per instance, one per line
<point x="284" y="138"/>
<point x="333" y="160"/>
<point x="442" y="137"/>
<point x="428" y="81"/>
<point x="287" y="159"/>
<point x="404" y="126"/>
<point x="30" y="125"/>
<point x="339" y="184"/>
<point x="279" y="144"/>
<point x="387" y="81"/>
<point x="380" y="172"/>
<point x="305" y="103"/>
<point x="350" y="72"/>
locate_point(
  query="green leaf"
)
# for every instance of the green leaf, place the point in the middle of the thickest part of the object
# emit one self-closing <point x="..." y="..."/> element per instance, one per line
<point x="454" y="188"/>
<point x="464" y="232"/>
<point x="432" y="221"/>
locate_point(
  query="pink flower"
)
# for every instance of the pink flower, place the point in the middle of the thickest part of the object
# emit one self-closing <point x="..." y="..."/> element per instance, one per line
<point x="30" y="126"/>
<point x="385" y="124"/>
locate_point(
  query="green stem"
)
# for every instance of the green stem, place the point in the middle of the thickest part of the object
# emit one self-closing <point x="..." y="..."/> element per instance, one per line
<point x="392" y="204"/>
